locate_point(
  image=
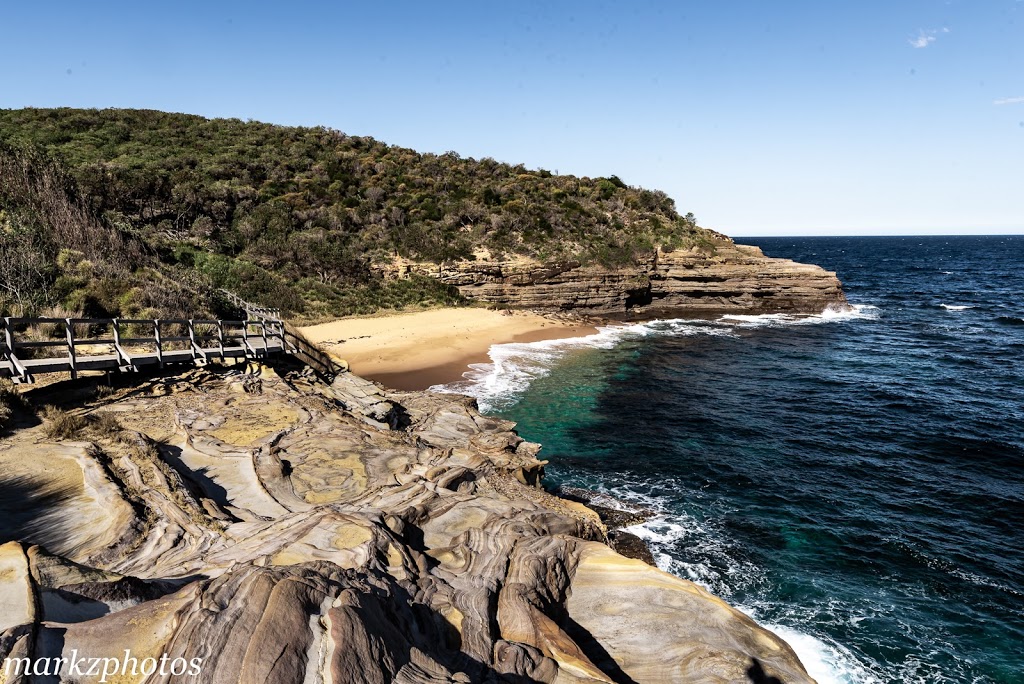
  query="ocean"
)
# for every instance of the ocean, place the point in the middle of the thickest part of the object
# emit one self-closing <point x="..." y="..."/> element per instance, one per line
<point x="852" y="480"/>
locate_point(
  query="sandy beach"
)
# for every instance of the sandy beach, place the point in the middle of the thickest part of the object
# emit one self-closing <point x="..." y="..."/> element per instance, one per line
<point x="412" y="351"/>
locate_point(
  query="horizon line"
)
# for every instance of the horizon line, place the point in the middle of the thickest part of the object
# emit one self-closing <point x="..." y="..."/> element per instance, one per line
<point x="878" y="235"/>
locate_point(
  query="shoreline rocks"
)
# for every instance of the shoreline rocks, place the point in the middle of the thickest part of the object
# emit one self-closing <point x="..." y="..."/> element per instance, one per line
<point x="279" y="529"/>
<point x="616" y="514"/>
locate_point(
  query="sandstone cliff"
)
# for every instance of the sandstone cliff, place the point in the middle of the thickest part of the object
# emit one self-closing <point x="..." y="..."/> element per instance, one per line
<point x="715" y="278"/>
<point x="283" y="530"/>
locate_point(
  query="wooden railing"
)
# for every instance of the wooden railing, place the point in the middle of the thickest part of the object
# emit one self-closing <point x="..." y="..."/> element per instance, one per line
<point x="161" y="341"/>
<point x="167" y="340"/>
<point x="311" y="355"/>
<point x="251" y="310"/>
<point x="306" y="351"/>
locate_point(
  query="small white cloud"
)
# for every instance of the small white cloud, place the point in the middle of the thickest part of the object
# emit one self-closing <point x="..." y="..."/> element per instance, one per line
<point x="925" y="38"/>
<point x="922" y="41"/>
<point x="1008" y="100"/>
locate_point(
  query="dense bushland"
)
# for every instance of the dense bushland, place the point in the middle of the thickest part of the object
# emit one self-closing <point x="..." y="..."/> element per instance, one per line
<point x="57" y="258"/>
<point x="295" y="217"/>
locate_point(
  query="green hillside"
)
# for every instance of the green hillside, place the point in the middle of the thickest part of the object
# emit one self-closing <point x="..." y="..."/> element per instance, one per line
<point x="298" y="217"/>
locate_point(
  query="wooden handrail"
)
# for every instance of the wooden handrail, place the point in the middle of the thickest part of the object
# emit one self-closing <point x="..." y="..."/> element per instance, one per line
<point x="252" y="310"/>
<point x="261" y="333"/>
<point x="257" y="337"/>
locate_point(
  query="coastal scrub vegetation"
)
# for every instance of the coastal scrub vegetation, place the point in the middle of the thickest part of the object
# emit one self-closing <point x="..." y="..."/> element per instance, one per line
<point x="60" y="424"/>
<point x="58" y="258"/>
<point x="111" y="208"/>
<point x="10" y="402"/>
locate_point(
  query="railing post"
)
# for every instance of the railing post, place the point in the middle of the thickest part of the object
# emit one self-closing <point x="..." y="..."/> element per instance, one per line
<point x="192" y="338"/>
<point x="250" y="353"/>
<point x="280" y="327"/>
<point x="117" y="342"/>
<point x="69" y="330"/>
<point x="124" y="359"/>
<point x="19" y="372"/>
<point x="266" y="344"/>
<point x="220" y="337"/>
<point x="159" y="342"/>
<point x="8" y="337"/>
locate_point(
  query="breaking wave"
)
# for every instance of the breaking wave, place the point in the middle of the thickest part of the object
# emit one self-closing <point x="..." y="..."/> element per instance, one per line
<point x="515" y="366"/>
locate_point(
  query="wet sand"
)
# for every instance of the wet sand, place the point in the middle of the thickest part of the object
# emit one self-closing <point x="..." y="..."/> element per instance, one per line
<point x="412" y="351"/>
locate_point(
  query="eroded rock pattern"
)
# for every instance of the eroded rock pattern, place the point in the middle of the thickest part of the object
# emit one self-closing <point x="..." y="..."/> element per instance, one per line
<point x="721" y="278"/>
<point x="282" y="530"/>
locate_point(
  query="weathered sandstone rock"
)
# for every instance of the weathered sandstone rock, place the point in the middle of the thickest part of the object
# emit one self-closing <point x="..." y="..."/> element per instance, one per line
<point x="721" y="278"/>
<point x="277" y="529"/>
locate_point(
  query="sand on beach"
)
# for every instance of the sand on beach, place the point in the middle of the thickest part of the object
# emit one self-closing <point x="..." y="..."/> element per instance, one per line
<point x="414" y="350"/>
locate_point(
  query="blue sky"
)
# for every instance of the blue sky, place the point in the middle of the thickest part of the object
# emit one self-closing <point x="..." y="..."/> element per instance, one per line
<point x="786" y="118"/>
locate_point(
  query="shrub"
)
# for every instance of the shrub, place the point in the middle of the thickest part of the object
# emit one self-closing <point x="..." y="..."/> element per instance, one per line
<point x="62" y="425"/>
<point x="104" y="423"/>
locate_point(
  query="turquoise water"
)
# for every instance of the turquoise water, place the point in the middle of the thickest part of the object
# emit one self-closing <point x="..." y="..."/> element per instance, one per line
<point x="854" y="481"/>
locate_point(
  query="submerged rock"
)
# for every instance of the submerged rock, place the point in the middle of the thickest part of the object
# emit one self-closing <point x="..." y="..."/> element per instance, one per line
<point x="308" y="532"/>
<point x="614" y="513"/>
<point x="630" y="546"/>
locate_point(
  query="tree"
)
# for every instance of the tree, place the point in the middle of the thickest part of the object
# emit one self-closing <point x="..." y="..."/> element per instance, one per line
<point x="25" y="269"/>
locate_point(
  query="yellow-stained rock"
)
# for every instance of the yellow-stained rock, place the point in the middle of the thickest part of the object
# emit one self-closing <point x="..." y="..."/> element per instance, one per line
<point x="659" y="628"/>
<point x="17" y="597"/>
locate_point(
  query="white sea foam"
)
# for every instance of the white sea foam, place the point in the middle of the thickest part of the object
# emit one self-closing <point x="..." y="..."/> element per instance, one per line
<point x="659" y="535"/>
<point x="514" y="366"/>
<point x="828" y="663"/>
<point x="956" y="307"/>
<point x="830" y="315"/>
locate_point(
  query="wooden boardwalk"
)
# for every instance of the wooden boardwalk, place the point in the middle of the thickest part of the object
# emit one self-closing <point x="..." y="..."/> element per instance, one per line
<point x="87" y="344"/>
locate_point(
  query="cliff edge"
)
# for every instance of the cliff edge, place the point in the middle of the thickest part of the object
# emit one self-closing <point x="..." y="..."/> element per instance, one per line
<point x="264" y="526"/>
<point x="714" y="278"/>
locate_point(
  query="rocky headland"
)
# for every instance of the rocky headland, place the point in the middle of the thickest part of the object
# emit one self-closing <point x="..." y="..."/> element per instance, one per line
<point x="276" y="528"/>
<point x="713" y="278"/>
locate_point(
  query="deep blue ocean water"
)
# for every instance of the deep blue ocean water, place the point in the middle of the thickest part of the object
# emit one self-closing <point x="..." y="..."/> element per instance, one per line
<point x="854" y="481"/>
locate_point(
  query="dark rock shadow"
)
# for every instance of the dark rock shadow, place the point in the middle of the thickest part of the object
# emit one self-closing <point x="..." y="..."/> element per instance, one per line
<point x="594" y="651"/>
<point x="758" y="675"/>
<point x="31" y="510"/>
<point x="199" y="483"/>
<point x="399" y="418"/>
<point x="50" y="645"/>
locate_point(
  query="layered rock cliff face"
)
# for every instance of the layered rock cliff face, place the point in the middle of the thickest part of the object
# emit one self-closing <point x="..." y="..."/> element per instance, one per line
<point x="277" y="529"/>
<point x="720" y="277"/>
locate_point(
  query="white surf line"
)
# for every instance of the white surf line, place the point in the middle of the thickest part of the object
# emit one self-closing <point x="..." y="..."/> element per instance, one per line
<point x="514" y="366"/>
